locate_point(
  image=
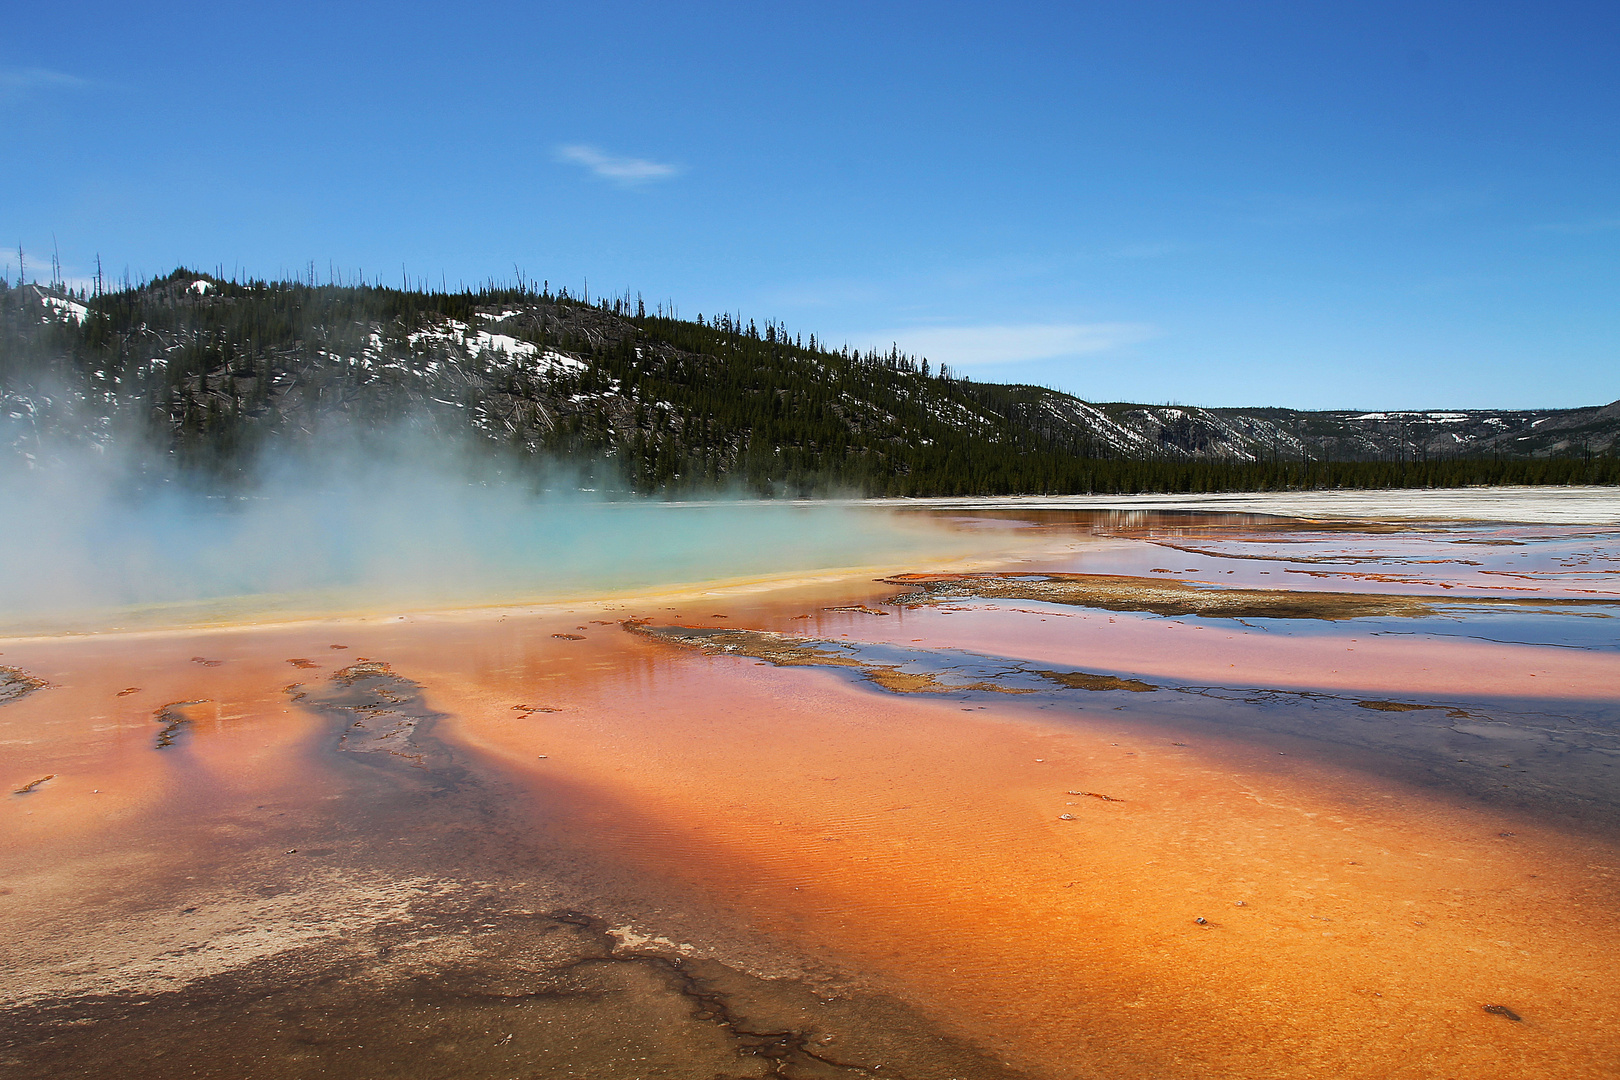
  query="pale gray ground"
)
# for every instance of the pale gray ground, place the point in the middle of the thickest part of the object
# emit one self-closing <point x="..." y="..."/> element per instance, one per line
<point x="1537" y="505"/>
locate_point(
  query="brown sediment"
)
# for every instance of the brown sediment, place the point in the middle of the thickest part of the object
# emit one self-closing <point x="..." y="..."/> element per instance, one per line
<point x="784" y="650"/>
<point x="174" y="716"/>
<point x="380" y="712"/>
<point x="1386" y="579"/>
<point x="1114" y="592"/>
<point x="362" y="668"/>
<point x="910" y="682"/>
<point x="1403" y="706"/>
<point x="302" y="662"/>
<point x="1335" y="558"/>
<point x="1083" y="680"/>
<point x="1273" y="557"/>
<point x="15" y="683"/>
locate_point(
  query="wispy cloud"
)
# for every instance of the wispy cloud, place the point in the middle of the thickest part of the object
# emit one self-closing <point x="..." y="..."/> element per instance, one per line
<point x="1583" y="228"/>
<point x="37" y="265"/>
<point x="972" y="346"/>
<point x="625" y="171"/>
<point x="823" y="293"/>
<point x="21" y="82"/>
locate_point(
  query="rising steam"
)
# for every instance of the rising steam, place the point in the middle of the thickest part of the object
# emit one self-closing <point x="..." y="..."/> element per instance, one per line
<point x="92" y="537"/>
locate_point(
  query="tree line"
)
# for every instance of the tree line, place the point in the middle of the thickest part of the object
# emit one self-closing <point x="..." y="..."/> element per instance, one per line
<point x="658" y="403"/>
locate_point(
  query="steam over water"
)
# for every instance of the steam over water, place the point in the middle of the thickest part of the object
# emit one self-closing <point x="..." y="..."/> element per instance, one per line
<point x="89" y="538"/>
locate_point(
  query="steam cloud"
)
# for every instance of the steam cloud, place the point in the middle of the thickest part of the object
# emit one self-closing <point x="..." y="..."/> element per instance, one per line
<point x="95" y="538"/>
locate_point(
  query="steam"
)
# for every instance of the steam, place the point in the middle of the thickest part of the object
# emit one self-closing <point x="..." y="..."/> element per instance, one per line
<point x="94" y="538"/>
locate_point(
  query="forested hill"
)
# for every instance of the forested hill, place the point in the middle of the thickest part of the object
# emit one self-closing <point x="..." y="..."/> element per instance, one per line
<point x="217" y="369"/>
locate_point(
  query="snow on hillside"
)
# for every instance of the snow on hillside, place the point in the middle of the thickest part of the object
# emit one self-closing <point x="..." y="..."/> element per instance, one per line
<point x="64" y="308"/>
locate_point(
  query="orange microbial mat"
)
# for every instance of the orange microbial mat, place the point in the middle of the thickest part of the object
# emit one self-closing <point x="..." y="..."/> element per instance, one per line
<point x="1172" y="795"/>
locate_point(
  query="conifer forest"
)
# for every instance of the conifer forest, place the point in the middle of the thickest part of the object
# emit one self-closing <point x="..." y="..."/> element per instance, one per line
<point x="211" y="372"/>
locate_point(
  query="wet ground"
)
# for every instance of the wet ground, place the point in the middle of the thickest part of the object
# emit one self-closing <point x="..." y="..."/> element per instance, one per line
<point x="1173" y="795"/>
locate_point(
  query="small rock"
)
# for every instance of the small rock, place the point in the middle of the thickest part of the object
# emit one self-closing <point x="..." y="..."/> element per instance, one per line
<point x="1503" y="1010"/>
<point x="1201" y="921"/>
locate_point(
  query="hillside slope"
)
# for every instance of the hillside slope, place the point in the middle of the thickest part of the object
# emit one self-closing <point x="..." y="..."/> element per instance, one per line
<point x="218" y="369"/>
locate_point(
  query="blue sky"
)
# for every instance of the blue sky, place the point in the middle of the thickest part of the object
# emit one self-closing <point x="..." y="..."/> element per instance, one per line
<point x="1369" y="205"/>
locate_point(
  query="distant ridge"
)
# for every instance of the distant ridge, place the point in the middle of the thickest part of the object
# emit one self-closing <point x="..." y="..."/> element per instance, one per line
<point x="218" y="369"/>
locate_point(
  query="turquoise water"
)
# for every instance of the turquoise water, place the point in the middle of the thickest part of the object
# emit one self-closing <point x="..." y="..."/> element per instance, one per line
<point x="80" y="548"/>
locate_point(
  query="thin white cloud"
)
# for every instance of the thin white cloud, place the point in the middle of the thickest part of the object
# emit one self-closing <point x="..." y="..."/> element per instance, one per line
<point x="625" y="171"/>
<point x="975" y="346"/>
<point x="21" y="82"/>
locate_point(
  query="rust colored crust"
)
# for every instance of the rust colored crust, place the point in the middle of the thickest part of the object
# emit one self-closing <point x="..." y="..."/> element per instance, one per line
<point x="1114" y="592"/>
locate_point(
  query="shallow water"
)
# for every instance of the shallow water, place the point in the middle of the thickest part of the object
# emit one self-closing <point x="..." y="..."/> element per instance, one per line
<point x="847" y="825"/>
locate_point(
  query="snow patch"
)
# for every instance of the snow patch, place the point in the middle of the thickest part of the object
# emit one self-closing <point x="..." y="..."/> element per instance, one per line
<point x="552" y="361"/>
<point x="67" y="309"/>
<point x="505" y="343"/>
